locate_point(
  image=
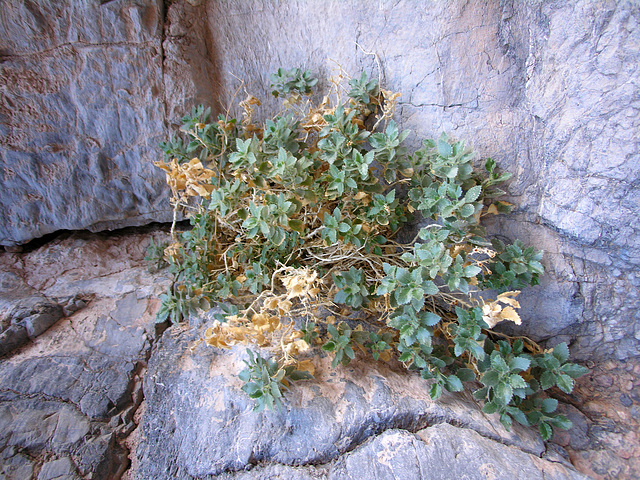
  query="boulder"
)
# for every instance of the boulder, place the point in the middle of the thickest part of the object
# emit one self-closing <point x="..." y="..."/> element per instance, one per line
<point x="81" y="114"/>
<point x="361" y="421"/>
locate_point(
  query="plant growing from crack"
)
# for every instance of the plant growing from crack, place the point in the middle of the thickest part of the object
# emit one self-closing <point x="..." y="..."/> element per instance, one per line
<point x="293" y="223"/>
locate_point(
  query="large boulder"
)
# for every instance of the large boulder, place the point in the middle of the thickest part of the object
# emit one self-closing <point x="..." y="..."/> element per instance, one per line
<point x="81" y="114"/>
<point x="362" y="421"/>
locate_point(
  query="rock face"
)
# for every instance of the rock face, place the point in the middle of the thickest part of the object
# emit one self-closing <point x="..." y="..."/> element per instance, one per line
<point x="549" y="89"/>
<point x="103" y="394"/>
<point x="364" y="421"/>
<point x="87" y="90"/>
<point x="68" y="397"/>
<point x="81" y="113"/>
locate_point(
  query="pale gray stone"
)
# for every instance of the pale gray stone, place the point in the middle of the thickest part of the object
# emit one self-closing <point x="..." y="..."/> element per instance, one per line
<point x="192" y="396"/>
<point x="444" y="452"/>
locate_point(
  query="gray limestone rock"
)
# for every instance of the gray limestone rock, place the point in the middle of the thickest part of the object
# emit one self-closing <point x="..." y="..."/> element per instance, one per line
<point x="24" y="312"/>
<point x="81" y="114"/>
<point x="445" y="452"/>
<point x="68" y="398"/>
<point x="192" y="396"/>
<point x="548" y="89"/>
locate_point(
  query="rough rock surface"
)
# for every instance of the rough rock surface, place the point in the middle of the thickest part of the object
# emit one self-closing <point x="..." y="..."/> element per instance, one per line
<point x="72" y="402"/>
<point x="81" y="114"/>
<point x="605" y="410"/>
<point x="549" y="89"/>
<point x="24" y="312"/>
<point x="351" y="422"/>
<point x="67" y="398"/>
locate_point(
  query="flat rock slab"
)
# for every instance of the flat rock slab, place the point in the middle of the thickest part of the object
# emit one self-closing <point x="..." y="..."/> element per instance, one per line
<point x="68" y="396"/>
<point x="198" y="424"/>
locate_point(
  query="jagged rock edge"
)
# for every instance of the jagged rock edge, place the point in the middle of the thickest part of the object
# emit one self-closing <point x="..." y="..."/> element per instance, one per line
<point x="357" y="444"/>
<point x="122" y="432"/>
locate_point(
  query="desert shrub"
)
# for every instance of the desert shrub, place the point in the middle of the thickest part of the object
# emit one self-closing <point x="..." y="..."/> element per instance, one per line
<point x="294" y="228"/>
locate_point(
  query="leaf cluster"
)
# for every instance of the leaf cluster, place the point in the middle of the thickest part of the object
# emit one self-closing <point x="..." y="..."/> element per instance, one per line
<point x="297" y="219"/>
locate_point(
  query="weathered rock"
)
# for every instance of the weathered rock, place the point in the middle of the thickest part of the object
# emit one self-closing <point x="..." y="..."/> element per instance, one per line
<point x="546" y="88"/>
<point x="68" y="396"/>
<point x="445" y="452"/>
<point x="81" y="114"/>
<point x="605" y="439"/>
<point x="24" y="312"/>
<point x="192" y="396"/>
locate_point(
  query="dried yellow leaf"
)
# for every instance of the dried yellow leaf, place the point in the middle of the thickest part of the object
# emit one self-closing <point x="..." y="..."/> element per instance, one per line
<point x="360" y="195"/>
<point x="306" y="365"/>
<point x="508" y="313"/>
<point x="494" y="313"/>
<point x="284" y="306"/>
<point x="506" y="297"/>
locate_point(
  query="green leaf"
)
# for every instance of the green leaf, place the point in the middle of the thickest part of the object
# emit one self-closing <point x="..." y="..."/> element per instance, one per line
<point x="430" y="288"/>
<point x="435" y="391"/>
<point x="490" y="407"/>
<point x="516" y="381"/>
<point x="466" y="374"/>
<point x="349" y="352"/>
<point x="547" y="380"/>
<point x="403" y="276"/>
<point x="330" y="346"/>
<point x="403" y="295"/>
<point x="518" y="415"/>
<point x="561" y="352"/>
<point x="565" y="383"/>
<point x="562" y="422"/>
<point x="481" y="393"/>
<point x="545" y="431"/>
<point x="471" y="271"/>
<point x="505" y="420"/>
<point x="405" y="357"/>
<point x="454" y="384"/>
<point x="574" y="370"/>
<point x="444" y="149"/>
<point x="430" y="319"/>
<point x="503" y="393"/>
<point x="491" y="378"/>
<point x="467" y="210"/>
<point x="519" y="364"/>
<point x="498" y="363"/>
<point x="297" y="225"/>
<point x="419" y="361"/>
<point x="472" y="194"/>
<point x="549" y="405"/>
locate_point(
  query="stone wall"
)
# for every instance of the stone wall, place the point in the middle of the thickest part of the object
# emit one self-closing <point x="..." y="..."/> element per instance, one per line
<point x="548" y="89"/>
<point x="81" y="113"/>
